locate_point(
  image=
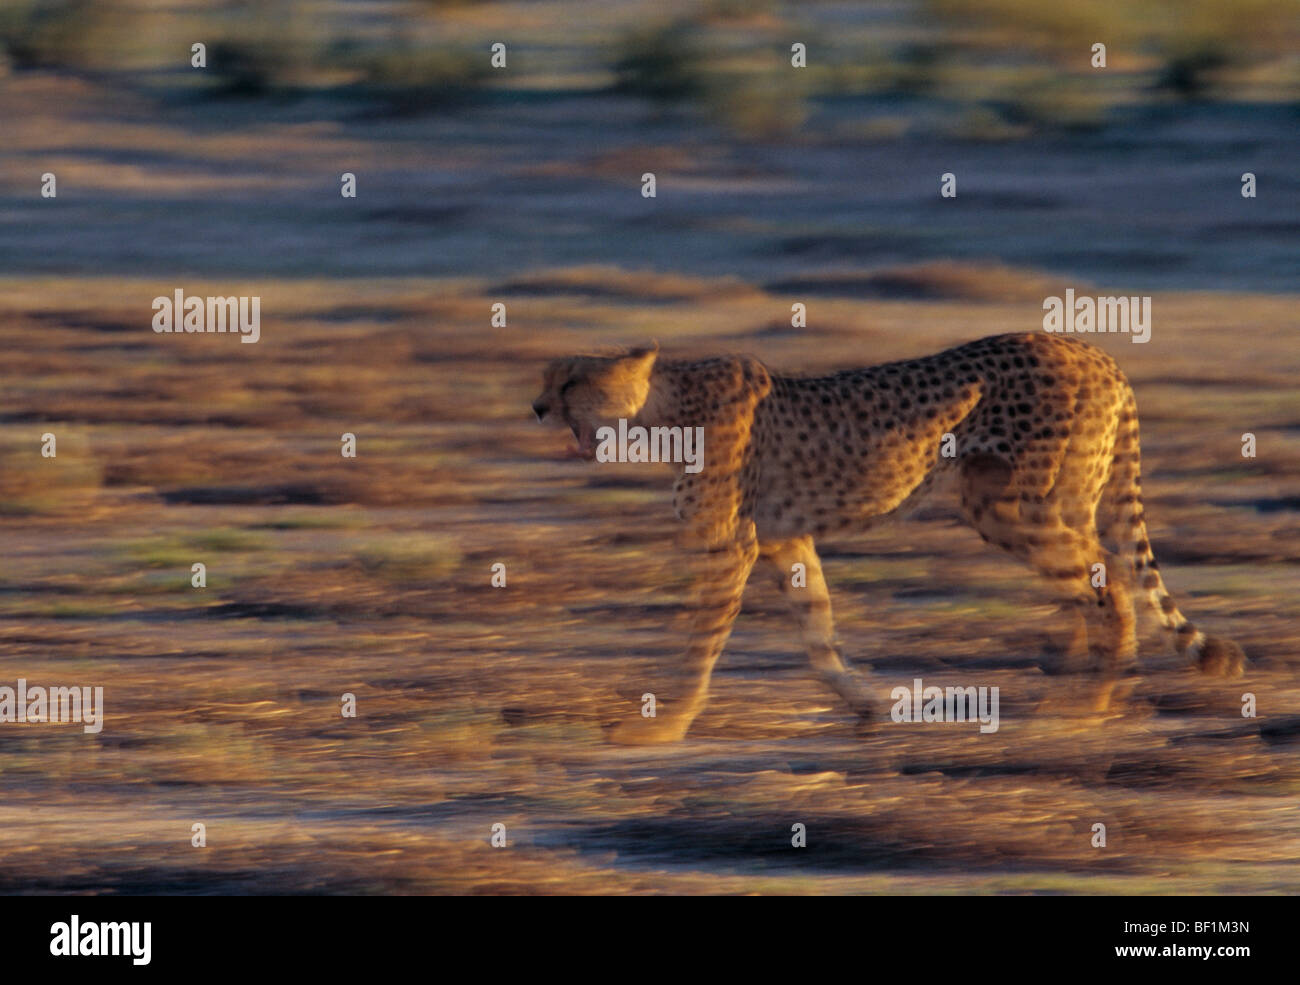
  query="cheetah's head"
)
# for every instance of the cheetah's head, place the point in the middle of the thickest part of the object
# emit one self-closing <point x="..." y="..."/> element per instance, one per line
<point x="588" y="392"/>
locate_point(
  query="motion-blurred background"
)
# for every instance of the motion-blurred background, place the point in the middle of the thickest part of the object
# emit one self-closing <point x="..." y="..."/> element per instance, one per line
<point x="521" y="185"/>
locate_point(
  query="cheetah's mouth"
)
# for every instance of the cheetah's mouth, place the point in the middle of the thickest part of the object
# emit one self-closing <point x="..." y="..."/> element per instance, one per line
<point x="584" y="436"/>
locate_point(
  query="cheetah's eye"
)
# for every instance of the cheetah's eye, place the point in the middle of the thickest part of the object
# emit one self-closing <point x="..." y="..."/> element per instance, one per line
<point x="565" y="389"/>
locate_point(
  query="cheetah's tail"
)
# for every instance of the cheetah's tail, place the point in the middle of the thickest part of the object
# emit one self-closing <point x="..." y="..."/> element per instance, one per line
<point x="1122" y="501"/>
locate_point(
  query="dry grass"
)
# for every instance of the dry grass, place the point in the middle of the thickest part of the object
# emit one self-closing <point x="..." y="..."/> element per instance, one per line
<point x="481" y="705"/>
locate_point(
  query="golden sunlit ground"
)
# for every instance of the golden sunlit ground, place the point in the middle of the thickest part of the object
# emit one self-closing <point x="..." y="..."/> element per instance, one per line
<point x="480" y="705"/>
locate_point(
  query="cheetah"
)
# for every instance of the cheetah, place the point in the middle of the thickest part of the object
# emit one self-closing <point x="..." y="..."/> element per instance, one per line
<point x="1041" y="458"/>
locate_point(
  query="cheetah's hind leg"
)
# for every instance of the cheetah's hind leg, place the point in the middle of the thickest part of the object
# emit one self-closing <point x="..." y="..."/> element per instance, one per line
<point x="1061" y="544"/>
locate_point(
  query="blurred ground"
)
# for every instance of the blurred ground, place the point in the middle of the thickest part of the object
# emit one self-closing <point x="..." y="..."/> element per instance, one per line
<point x="480" y="705"/>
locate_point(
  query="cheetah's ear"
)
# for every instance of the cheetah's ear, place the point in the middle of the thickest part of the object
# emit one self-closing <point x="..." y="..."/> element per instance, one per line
<point x="642" y="358"/>
<point x="641" y="351"/>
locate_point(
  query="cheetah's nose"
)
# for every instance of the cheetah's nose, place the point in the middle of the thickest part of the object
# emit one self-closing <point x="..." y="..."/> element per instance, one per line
<point x="540" y="409"/>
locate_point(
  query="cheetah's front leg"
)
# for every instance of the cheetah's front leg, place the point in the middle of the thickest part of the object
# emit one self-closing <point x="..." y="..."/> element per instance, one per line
<point x="805" y="588"/>
<point x="681" y="697"/>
